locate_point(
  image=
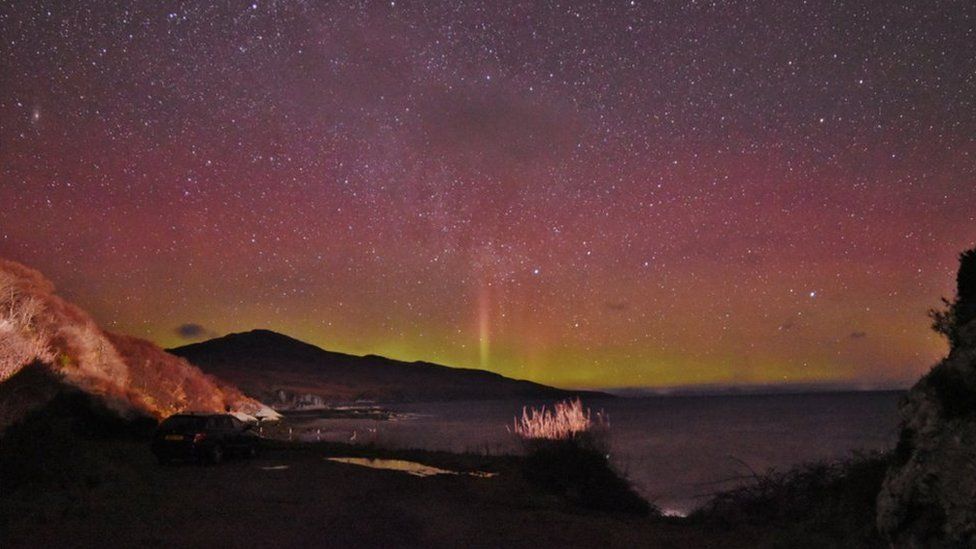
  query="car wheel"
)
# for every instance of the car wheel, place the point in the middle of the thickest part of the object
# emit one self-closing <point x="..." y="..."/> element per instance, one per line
<point x="216" y="454"/>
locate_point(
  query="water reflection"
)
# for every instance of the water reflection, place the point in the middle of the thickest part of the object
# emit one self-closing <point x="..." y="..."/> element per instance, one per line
<point x="404" y="466"/>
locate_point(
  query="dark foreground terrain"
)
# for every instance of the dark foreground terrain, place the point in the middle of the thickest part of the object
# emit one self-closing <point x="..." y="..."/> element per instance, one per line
<point x="73" y="477"/>
<point x="313" y="502"/>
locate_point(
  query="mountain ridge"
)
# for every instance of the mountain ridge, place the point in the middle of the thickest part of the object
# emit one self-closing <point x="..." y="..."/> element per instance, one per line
<point x="289" y="372"/>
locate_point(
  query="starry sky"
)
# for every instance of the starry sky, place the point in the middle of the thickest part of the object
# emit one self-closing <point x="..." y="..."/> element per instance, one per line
<point x="593" y="194"/>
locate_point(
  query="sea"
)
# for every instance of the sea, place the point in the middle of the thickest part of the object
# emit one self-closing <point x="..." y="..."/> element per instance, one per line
<point x="676" y="450"/>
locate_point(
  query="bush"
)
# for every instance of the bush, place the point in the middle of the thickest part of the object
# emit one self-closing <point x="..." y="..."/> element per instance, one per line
<point x="904" y="448"/>
<point x="955" y="315"/>
<point x="816" y="505"/>
<point x="60" y="446"/>
<point x="966" y="287"/>
<point x="582" y="475"/>
<point x="945" y="322"/>
<point x="952" y="391"/>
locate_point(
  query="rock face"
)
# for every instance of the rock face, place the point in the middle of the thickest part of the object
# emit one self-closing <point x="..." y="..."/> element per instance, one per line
<point x="929" y="495"/>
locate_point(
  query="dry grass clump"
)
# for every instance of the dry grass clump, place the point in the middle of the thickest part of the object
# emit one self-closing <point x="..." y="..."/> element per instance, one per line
<point x="21" y="339"/>
<point x="566" y="420"/>
<point x="566" y="454"/>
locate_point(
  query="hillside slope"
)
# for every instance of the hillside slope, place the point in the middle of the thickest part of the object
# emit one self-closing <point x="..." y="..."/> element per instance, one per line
<point x="288" y="373"/>
<point x="39" y="329"/>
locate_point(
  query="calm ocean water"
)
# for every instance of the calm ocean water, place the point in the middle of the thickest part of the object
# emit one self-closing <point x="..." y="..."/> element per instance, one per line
<point x="674" y="449"/>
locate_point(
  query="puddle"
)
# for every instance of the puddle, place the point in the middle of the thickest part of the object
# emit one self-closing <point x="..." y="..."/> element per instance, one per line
<point x="409" y="467"/>
<point x="274" y="468"/>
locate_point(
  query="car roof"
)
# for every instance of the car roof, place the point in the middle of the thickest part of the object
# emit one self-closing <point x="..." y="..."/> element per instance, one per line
<point x="199" y="414"/>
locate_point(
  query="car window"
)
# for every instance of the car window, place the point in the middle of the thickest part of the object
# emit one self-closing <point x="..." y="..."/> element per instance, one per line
<point x="178" y="423"/>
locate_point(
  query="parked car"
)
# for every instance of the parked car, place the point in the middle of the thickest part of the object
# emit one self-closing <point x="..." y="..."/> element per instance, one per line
<point x="203" y="437"/>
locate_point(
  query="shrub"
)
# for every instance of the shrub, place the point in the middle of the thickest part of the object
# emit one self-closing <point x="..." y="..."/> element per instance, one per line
<point x="954" y="315"/>
<point x="952" y="391"/>
<point x="827" y="504"/>
<point x="61" y="445"/>
<point x="905" y="447"/>
<point x="945" y="323"/>
<point x="582" y="475"/>
<point x="966" y="287"/>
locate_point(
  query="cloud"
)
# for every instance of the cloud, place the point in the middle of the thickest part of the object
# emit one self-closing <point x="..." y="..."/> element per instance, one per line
<point x="192" y="330"/>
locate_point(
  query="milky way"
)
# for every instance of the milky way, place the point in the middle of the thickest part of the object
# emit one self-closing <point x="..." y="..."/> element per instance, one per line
<point x="591" y="194"/>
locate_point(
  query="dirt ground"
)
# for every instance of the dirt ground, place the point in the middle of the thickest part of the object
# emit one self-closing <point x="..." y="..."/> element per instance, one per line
<point x="297" y="498"/>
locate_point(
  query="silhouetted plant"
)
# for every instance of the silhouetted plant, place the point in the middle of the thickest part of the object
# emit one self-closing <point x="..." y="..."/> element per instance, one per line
<point x="944" y="321"/>
<point x="954" y="315"/>
<point x="905" y="447"/>
<point x="825" y="504"/>
<point x="966" y="288"/>
<point x="60" y="445"/>
<point x="952" y="391"/>
<point x="582" y="475"/>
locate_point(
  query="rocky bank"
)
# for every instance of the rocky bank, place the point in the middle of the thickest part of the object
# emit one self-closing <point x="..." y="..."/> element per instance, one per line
<point x="928" y="498"/>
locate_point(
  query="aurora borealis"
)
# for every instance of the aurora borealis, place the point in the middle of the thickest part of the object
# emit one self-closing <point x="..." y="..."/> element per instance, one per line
<point x="585" y="194"/>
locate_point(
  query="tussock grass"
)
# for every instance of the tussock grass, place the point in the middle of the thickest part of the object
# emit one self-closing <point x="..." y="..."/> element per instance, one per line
<point x="567" y="455"/>
<point x="567" y="419"/>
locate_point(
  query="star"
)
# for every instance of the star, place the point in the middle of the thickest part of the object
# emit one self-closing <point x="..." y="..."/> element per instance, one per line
<point x="392" y="174"/>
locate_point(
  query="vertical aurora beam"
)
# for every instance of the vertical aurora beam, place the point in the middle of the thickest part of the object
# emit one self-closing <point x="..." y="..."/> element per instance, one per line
<point x="484" y="327"/>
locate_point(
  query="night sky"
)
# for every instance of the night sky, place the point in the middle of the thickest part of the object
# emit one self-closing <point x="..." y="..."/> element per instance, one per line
<point x="585" y="194"/>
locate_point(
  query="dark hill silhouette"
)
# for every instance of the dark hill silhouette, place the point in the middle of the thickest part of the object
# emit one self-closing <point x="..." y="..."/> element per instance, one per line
<point x="288" y="372"/>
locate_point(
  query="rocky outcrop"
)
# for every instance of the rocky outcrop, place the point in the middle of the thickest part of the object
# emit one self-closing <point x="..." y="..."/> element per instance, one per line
<point x="928" y="498"/>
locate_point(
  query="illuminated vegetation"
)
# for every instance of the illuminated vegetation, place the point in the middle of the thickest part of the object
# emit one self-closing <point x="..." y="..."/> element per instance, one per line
<point x="566" y="420"/>
<point x="567" y="455"/>
<point x="38" y="327"/>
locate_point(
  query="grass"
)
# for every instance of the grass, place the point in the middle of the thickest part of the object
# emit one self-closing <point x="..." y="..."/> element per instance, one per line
<point x="566" y="420"/>
<point x="566" y="454"/>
